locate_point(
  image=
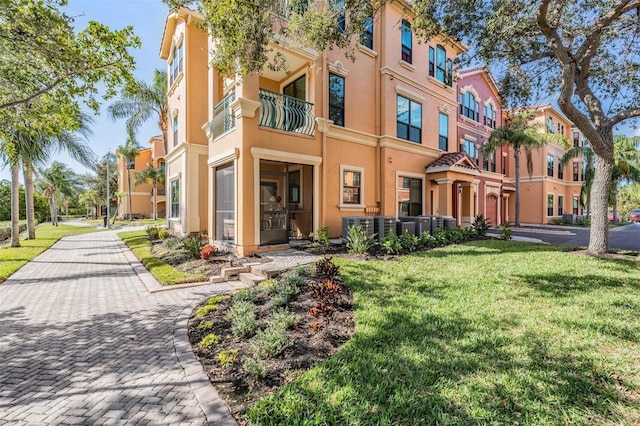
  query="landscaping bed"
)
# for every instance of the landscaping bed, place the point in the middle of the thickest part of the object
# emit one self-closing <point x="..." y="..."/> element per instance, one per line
<point x="262" y="338"/>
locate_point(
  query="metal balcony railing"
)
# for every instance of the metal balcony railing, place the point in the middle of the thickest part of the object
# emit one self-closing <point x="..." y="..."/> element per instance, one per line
<point x="286" y="113"/>
<point x="223" y="118"/>
<point x="285" y="8"/>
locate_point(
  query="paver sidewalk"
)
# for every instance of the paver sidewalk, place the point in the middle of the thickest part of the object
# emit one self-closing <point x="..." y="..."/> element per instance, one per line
<point x="82" y="341"/>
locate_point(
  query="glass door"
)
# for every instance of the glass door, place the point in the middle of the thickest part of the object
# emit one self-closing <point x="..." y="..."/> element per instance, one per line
<point x="274" y="217"/>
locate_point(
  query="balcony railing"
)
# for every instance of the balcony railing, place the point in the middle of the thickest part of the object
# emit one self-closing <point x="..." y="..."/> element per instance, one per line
<point x="285" y="8"/>
<point x="286" y="113"/>
<point x="223" y="118"/>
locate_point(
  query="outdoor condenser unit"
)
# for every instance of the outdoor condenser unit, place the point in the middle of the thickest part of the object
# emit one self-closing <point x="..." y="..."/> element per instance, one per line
<point x="409" y="227"/>
<point x="382" y="225"/>
<point x="364" y="221"/>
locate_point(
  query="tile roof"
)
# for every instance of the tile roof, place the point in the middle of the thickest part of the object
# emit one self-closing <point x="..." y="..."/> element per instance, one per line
<point x="449" y="159"/>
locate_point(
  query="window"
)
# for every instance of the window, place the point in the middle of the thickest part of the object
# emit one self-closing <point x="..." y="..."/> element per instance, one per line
<point x="443" y="130"/>
<point x="560" y="171"/>
<point x="576" y="176"/>
<point x="441" y="64"/>
<point x="560" y="205"/>
<point x="175" y="131"/>
<point x="485" y="162"/>
<point x="549" y="205"/>
<point x="469" y="107"/>
<point x="432" y="62"/>
<point x="550" y="165"/>
<point x="366" y="38"/>
<point x="575" y="205"/>
<point x="176" y="64"/>
<point x="406" y="42"/>
<point x="409" y="120"/>
<point x="470" y="148"/>
<point x="341" y="16"/>
<point x="175" y="198"/>
<point x="549" y="125"/>
<point x="336" y="99"/>
<point x="492" y="161"/>
<point x="576" y="139"/>
<point x="225" y="203"/>
<point x="489" y="116"/>
<point x="351" y="185"/>
<point x="297" y="88"/>
<point x="504" y="164"/>
<point x="410" y="196"/>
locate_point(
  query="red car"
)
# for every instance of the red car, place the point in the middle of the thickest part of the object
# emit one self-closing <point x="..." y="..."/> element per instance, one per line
<point x="610" y="217"/>
<point x="635" y="215"/>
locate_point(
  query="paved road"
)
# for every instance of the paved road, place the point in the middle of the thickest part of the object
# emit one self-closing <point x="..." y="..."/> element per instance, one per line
<point x="623" y="237"/>
<point x="82" y="341"/>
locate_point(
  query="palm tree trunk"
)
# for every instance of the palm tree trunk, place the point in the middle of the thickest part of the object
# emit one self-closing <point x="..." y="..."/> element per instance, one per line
<point x="599" y="234"/>
<point x="516" y="157"/>
<point x="155" y="204"/>
<point x="55" y="209"/>
<point x="28" y="189"/>
<point x="15" y="205"/>
<point x="129" y="188"/>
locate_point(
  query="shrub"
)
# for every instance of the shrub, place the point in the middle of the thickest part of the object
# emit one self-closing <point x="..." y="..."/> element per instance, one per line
<point x="206" y="252"/>
<point x="391" y="243"/>
<point x="205" y="325"/>
<point x="454" y="235"/>
<point x="242" y="315"/>
<point x="427" y="240"/>
<point x="357" y="240"/>
<point x="322" y="234"/>
<point x="152" y="232"/>
<point x="441" y="237"/>
<point x="254" y="368"/>
<point x="325" y="290"/>
<point x="214" y="300"/>
<point x="173" y="243"/>
<point x="176" y="257"/>
<point x="209" y="340"/>
<point x="227" y="357"/>
<point x="293" y="279"/>
<point x="408" y="242"/>
<point x="271" y="341"/>
<point x="326" y="269"/>
<point x="506" y="231"/>
<point x="481" y="225"/>
<point x="163" y="233"/>
<point x="246" y="295"/>
<point x="283" y="318"/>
<point x="193" y="244"/>
<point x="204" y="310"/>
<point x="269" y="287"/>
<point x="584" y="222"/>
<point x="556" y="221"/>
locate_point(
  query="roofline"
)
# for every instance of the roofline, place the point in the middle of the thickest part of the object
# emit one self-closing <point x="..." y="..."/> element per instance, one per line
<point x="170" y="24"/>
<point x="487" y="76"/>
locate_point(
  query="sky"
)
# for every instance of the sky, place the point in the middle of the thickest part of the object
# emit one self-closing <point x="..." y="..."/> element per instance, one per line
<point x="147" y="18"/>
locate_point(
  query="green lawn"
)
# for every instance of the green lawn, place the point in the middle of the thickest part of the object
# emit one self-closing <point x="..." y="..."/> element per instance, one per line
<point x="12" y="259"/>
<point x="139" y="222"/>
<point x="140" y="245"/>
<point x="483" y="333"/>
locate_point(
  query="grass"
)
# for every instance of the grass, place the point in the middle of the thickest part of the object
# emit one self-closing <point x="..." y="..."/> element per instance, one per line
<point x="140" y="245"/>
<point x="486" y="332"/>
<point x="13" y="258"/>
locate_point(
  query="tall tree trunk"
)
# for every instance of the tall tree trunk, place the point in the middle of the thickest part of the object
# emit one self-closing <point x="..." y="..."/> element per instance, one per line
<point x="15" y="205"/>
<point x="614" y="200"/>
<point x="155" y="204"/>
<point x="130" y="201"/>
<point x="55" y="209"/>
<point x="516" y="157"/>
<point x="599" y="234"/>
<point x="28" y="189"/>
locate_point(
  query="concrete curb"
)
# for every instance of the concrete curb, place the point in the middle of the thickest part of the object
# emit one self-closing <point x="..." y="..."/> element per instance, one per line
<point x="214" y="408"/>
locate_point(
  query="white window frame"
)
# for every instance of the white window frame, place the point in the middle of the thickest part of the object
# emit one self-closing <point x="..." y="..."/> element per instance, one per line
<point x="357" y="169"/>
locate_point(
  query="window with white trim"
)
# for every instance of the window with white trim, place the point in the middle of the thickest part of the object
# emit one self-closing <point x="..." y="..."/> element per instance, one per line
<point x="407" y="42"/>
<point x="409" y="120"/>
<point x="351" y="186"/>
<point x="550" y="205"/>
<point x="409" y="193"/>
<point x="176" y="64"/>
<point x="175" y="198"/>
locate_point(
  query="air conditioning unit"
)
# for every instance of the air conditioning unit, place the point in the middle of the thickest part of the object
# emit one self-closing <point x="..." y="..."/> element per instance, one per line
<point x="449" y="222"/>
<point x="402" y="227"/>
<point x="439" y="222"/>
<point x="364" y="221"/>
<point x="571" y="218"/>
<point x="382" y="225"/>
<point x="425" y="224"/>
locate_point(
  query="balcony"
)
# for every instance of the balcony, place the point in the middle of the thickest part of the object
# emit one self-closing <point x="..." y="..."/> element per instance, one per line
<point x="286" y="113"/>
<point x="223" y="118"/>
<point x="285" y="8"/>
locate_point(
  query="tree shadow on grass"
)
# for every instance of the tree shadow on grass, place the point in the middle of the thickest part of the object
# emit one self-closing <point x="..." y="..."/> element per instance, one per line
<point x="560" y="286"/>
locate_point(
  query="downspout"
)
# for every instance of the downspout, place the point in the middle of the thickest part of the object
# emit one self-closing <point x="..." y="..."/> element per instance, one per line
<point x="325" y="115"/>
<point x="378" y="112"/>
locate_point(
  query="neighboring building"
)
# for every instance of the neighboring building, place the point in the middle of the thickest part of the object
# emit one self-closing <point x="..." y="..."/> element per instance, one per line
<point x="479" y="113"/>
<point x="551" y="190"/>
<point x="142" y="194"/>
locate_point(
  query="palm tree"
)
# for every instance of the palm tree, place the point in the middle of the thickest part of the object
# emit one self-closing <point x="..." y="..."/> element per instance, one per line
<point x="626" y="166"/>
<point x="141" y="101"/>
<point x="153" y="175"/>
<point x="57" y="179"/>
<point x="586" y="153"/>
<point x="129" y="152"/>
<point x="521" y="134"/>
<point x="91" y="200"/>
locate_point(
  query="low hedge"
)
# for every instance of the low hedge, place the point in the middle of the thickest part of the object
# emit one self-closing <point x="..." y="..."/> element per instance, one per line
<point x="5" y="231"/>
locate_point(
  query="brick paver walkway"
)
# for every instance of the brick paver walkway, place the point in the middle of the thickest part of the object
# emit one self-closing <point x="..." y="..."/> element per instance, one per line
<point x="82" y="341"/>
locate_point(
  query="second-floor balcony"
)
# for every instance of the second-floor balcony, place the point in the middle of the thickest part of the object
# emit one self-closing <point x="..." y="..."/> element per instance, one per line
<point x="286" y="113"/>
<point x="223" y="118"/>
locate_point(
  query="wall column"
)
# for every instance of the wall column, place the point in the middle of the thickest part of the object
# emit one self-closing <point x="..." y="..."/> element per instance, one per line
<point x="468" y="204"/>
<point x="506" y="207"/>
<point x="445" y="197"/>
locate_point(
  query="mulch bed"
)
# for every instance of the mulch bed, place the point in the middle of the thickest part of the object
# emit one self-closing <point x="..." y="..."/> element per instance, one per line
<point x="313" y="339"/>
